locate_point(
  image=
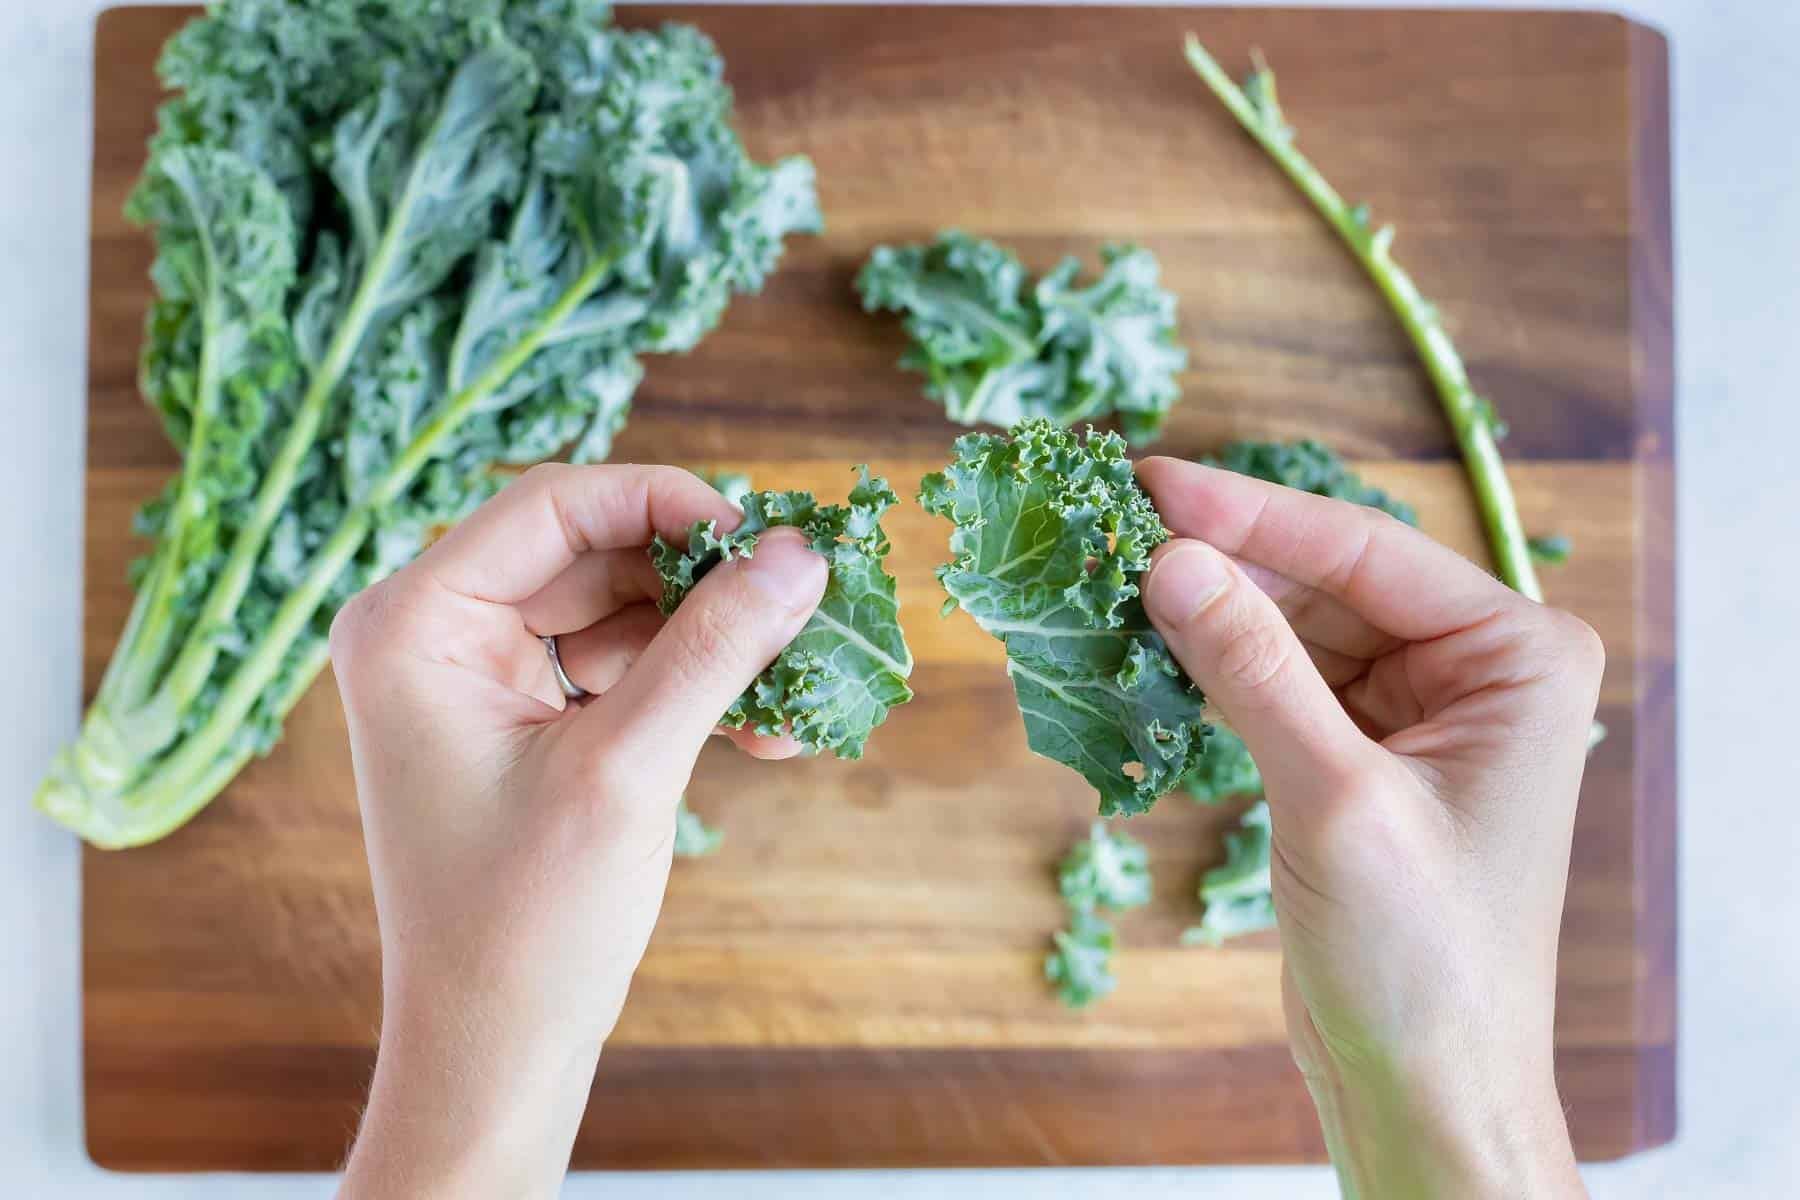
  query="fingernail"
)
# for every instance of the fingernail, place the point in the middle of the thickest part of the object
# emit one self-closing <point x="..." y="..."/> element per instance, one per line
<point x="1184" y="580"/>
<point x="786" y="570"/>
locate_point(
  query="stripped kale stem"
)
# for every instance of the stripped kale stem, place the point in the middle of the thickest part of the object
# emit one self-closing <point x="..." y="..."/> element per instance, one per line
<point x="1472" y="418"/>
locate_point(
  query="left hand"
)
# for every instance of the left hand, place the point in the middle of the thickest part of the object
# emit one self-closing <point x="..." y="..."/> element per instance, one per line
<point x="520" y="844"/>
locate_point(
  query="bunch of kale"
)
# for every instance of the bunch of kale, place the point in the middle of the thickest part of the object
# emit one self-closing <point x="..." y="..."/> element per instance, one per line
<point x="397" y="245"/>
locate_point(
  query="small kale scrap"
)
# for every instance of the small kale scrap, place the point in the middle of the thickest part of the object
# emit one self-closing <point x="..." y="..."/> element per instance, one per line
<point x="1238" y="896"/>
<point x="693" y="837"/>
<point x="996" y="349"/>
<point x="837" y="680"/>
<point x="1552" y="550"/>
<point x="1079" y="965"/>
<point x="1052" y="534"/>
<point x="1105" y="871"/>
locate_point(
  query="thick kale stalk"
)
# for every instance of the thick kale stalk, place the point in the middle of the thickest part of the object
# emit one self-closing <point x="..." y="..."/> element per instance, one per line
<point x="838" y="679"/>
<point x="1052" y="534"/>
<point x="397" y="245"/>
<point x="1472" y="418"/>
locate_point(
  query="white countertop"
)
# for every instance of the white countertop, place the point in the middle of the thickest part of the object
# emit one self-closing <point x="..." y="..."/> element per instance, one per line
<point x="1737" y="156"/>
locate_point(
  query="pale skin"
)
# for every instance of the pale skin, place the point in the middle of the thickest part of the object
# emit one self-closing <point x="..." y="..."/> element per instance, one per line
<point x="1421" y="729"/>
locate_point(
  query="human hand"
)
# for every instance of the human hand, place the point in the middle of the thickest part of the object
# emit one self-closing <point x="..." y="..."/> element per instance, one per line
<point x="1421" y="731"/>
<point x="519" y="845"/>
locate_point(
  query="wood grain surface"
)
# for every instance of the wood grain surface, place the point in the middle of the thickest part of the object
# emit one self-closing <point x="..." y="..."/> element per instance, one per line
<point x="855" y="979"/>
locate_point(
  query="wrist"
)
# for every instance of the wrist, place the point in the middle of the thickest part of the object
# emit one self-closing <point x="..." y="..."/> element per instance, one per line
<point x="1410" y="1135"/>
<point x="467" y="1103"/>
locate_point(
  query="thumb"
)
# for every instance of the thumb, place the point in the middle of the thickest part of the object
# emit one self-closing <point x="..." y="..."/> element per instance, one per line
<point x="1236" y="644"/>
<point x="726" y="631"/>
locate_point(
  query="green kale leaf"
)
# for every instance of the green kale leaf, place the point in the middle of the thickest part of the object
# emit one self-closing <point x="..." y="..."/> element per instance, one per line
<point x="837" y="680"/>
<point x="1105" y="870"/>
<point x="1079" y="965"/>
<point x="1051" y="536"/>
<point x="996" y="349"/>
<point x="693" y="837"/>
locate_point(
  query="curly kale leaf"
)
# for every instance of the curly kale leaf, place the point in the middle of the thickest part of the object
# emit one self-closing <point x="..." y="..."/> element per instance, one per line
<point x="1079" y="965"/>
<point x="693" y="837"/>
<point x="837" y="680"/>
<point x="1113" y="341"/>
<point x="996" y="349"/>
<point x="1052" y="534"/>
<point x="1237" y="895"/>
<point x="1105" y="870"/>
<point x="974" y="337"/>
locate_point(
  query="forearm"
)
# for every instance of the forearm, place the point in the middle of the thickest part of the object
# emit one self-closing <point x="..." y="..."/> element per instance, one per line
<point x="1397" y="1140"/>
<point x="451" y="1114"/>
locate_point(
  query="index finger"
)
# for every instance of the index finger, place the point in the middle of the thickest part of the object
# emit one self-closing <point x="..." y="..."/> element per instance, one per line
<point x="516" y="543"/>
<point x="1393" y="576"/>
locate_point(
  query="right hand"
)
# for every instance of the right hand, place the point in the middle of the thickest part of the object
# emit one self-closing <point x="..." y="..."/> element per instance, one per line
<point x="1422" y="731"/>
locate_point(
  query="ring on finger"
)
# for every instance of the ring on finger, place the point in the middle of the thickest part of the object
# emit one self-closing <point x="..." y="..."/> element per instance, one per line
<point x="570" y="689"/>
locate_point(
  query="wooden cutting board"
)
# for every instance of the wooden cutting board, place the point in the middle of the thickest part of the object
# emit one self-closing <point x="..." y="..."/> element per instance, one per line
<point x="855" y="978"/>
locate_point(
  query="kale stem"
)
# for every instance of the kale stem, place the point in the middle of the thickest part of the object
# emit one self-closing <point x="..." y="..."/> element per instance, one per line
<point x="183" y="782"/>
<point x="1471" y="418"/>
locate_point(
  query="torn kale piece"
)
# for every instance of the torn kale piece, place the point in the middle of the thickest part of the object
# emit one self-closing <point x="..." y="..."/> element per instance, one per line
<point x="1079" y="965"/>
<point x="996" y="348"/>
<point x="1052" y="534"/>
<point x="693" y="837"/>
<point x="1237" y="895"/>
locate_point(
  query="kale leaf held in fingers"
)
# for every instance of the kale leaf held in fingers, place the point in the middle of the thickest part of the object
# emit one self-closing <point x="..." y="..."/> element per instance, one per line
<point x="838" y="679"/>
<point x="1052" y="534"/>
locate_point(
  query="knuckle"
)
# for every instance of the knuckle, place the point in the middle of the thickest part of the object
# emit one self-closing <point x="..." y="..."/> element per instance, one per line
<point x="711" y="635"/>
<point x="373" y="621"/>
<point x="353" y="628"/>
<point x="1252" y="654"/>
<point x="598" y="766"/>
<point x="1574" y="642"/>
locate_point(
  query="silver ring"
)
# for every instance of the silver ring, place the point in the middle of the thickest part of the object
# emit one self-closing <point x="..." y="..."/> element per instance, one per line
<point x="570" y="689"/>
